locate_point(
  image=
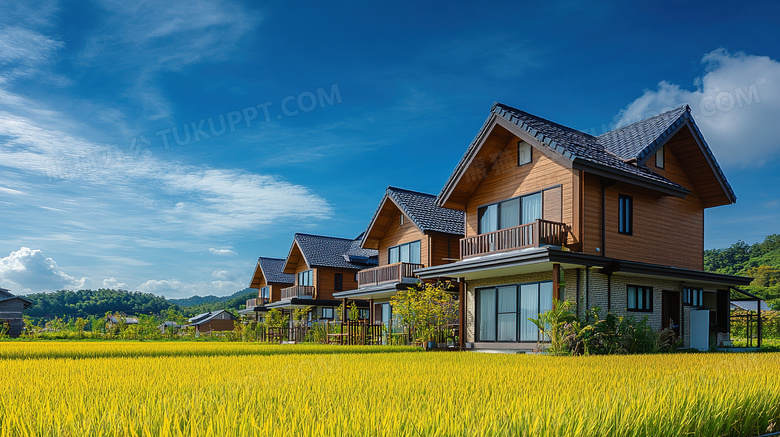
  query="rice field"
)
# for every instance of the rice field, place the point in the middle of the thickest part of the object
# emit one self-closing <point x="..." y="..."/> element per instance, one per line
<point x="239" y="389"/>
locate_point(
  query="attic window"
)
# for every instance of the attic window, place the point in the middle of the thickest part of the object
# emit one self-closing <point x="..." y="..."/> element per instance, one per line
<point x="659" y="158"/>
<point x="402" y="219"/>
<point x="524" y="154"/>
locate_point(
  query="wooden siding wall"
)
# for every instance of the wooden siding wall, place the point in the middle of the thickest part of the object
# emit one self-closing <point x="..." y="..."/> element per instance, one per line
<point x="396" y="234"/>
<point x="11" y="312"/>
<point x="667" y="230"/>
<point x="325" y="279"/>
<point x="445" y="249"/>
<point x="505" y="180"/>
<point x="276" y="292"/>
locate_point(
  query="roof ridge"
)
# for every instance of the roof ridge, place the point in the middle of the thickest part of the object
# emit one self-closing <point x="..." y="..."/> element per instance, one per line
<point x="324" y="236"/>
<point x="562" y="126"/>
<point x="410" y="191"/>
<point x="685" y="107"/>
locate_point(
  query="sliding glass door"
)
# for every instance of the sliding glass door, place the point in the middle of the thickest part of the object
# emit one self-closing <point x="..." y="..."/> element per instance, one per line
<point x="503" y="311"/>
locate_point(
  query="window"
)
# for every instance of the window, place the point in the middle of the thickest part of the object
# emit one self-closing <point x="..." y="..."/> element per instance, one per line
<point x="404" y="253"/>
<point x="364" y="313"/>
<point x="693" y="296"/>
<point x="639" y="298"/>
<point x="503" y="312"/>
<point x="524" y="153"/>
<point x="338" y="282"/>
<point x="659" y="158"/>
<point x="265" y="293"/>
<point x="306" y="278"/>
<point x="626" y="215"/>
<point x="510" y="213"/>
<point x="328" y="313"/>
<point x="402" y="219"/>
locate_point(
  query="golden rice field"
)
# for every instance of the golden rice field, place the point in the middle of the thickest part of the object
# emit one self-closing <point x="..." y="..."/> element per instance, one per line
<point x="239" y="389"/>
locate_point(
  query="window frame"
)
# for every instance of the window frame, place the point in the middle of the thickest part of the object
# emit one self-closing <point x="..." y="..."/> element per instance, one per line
<point x="693" y="296"/>
<point x="496" y="313"/>
<point x="265" y="292"/>
<point x="647" y="298"/>
<point x="399" y="248"/>
<point x="332" y="313"/>
<point x="306" y="274"/>
<point x="530" y="153"/>
<point x="625" y="214"/>
<point x="662" y="154"/>
<point x="364" y="313"/>
<point x="498" y="208"/>
<point x="338" y="282"/>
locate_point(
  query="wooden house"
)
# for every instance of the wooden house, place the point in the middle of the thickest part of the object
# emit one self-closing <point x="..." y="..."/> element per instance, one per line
<point x="409" y="232"/>
<point x="269" y="279"/>
<point x="11" y="309"/>
<point x="206" y="323"/>
<point x="322" y="266"/>
<point x="614" y="221"/>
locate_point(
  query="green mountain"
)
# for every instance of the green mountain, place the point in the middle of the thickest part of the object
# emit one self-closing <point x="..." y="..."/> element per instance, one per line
<point x="760" y="261"/>
<point x="200" y="300"/>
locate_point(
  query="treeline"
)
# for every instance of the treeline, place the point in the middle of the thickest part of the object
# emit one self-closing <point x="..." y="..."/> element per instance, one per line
<point x="70" y="305"/>
<point x="760" y="261"/>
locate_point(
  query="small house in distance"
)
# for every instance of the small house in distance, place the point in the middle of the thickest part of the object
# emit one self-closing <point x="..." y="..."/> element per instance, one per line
<point x="205" y="323"/>
<point x="11" y="309"/>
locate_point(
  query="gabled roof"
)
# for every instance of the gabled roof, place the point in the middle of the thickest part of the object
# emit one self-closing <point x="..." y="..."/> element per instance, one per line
<point x="272" y="270"/>
<point x="322" y="251"/>
<point x="6" y="295"/>
<point x="420" y="208"/>
<point x="206" y="317"/>
<point x="620" y="154"/>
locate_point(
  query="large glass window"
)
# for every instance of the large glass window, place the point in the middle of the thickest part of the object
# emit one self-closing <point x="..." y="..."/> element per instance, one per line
<point x="406" y="253"/>
<point x="510" y="213"/>
<point x="503" y="312"/>
<point x="265" y="293"/>
<point x="306" y="278"/>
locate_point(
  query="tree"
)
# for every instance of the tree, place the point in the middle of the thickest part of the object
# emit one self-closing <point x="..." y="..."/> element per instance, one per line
<point x="425" y="309"/>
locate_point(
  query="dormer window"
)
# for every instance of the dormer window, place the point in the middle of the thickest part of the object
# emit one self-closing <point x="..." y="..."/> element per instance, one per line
<point x="524" y="153"/>
<point x="659" y="158"/>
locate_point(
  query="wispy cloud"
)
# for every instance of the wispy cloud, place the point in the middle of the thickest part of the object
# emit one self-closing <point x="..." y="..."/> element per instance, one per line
<point x="221" y="252"/>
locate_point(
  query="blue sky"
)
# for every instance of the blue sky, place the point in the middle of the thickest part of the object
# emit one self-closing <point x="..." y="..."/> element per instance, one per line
<point x="164" y="147"/>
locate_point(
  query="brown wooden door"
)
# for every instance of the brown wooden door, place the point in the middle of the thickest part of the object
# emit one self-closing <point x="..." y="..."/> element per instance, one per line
<point x="670" y="310"/>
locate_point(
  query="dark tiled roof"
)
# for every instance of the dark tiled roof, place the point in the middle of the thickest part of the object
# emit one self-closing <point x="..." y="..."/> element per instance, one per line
<point x="6" y="295"/>
<point x="424" y="212"/>
<point x="272" y="270"/>
<point x="336" y="252"/>
<point x="630" y="141"/>
<point x="574" y="144"/>
<point x="206" y="317"/>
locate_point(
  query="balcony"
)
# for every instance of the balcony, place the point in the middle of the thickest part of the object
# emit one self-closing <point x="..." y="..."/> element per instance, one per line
<point x="297" y="291"/>
<point x="251" y="303"/>
<point x="386" y="274"/>
<point x="536" y="234"/>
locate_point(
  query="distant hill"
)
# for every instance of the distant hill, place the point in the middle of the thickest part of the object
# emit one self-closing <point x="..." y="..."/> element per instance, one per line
<point x="235" y="301"/>
<point x="200" y="300"/>
<point x="68" y="304"/>
<point x="85" y="303"/>
<point x="760" y="261"/>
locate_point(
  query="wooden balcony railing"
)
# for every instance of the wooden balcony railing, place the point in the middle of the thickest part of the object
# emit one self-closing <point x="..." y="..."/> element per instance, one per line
<point x="258" y="301"/>
<point x="536" y="234"/>
<point x="297" y="291"/>
<point x="389" y="273"/>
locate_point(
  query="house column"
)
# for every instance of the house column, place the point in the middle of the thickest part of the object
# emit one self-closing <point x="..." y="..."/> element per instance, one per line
<point x="556" y="274"/>
<point x="462" y="313"/>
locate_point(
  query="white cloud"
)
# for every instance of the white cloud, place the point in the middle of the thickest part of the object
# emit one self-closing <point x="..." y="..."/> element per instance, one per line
<point x="29" y="270"/>
<point x="113" y="283"/>
<point x="736" y="104"/>
<point x="221" y="252"/>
